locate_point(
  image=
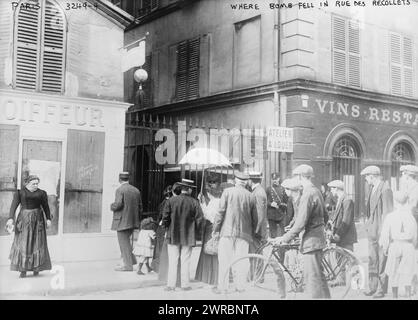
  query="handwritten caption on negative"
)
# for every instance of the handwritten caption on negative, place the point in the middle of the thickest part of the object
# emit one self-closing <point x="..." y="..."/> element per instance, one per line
<point x="321" y="4"/>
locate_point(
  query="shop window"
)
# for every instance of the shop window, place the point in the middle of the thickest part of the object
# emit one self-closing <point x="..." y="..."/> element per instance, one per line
<point x="402" y="154"/>
<point x="346" y="167"/>
<point x="401" y="65"/>
<point x="187" y="75"/>
<point x="346" y="63"/>
<point x="39" y="47"/>
<point x="9" y="151"/>
<point x="84" y="181"/>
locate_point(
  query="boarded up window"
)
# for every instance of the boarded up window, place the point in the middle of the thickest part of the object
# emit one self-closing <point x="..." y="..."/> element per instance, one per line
<point x="247" y="54"/>
<point x="9" y="154"/>
<point x="40" y="47"/>
<point x="188" y="66"/>
<point x="84" y="181"/>
<point x="401" y="65"/>
<point x="346" y="63"/>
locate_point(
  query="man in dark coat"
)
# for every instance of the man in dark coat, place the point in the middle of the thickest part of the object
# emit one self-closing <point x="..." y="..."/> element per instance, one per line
<point x="182" y="217"/>
<point x="343" y="230"/>
<point x="261" y="203"/>
<point x="310" y="219"/>
<point x="276" y="207"/>
<point x="379" y="204"/>
<point x="127" y="210"/>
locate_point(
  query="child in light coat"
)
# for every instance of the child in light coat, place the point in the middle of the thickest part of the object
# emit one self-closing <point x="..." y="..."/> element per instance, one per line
<point x="144" y="247"/>
<point x="398" y="239"/>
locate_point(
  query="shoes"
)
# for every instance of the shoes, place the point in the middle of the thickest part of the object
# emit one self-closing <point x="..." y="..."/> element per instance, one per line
<point x="169" y="289"/>
<point x="123" y="269"/>
<point x="139" y="272"/>
<point x="239" y="290"/>
<point x="217" y="291"/>
<point x="22" y="275"/>
<point x="378" y="295"/>
<point x="186" y="288"/>
<point x="36" y="273"/>
<point x="369" y="293"/>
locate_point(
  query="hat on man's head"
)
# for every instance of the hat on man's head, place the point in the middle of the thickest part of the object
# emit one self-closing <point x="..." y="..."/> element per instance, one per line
<point x="410" y="169"/>
<point x="186" y="183"/>
<point x="304" y="170"/>
<point x="124" y="175"/>
<point x="371" y="170"/>
<point x="336" y="184"/>
<point x="241" y="175"/>
<point x="291" y="184"/>
<point x="212" y="178"/>
<point x="275" y="176"/>
<point x="255" y="175"/>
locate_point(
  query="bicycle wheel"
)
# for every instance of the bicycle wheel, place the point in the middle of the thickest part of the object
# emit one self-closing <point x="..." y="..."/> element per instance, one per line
<point x="343" y="272"/>
<point x="254" y="276"/>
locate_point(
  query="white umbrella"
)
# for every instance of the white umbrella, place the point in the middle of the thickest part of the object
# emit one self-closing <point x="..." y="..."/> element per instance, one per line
<point x="205" y="157"/>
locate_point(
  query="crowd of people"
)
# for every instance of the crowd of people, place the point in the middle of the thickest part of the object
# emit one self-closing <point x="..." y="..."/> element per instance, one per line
<point x="236" y="218"/>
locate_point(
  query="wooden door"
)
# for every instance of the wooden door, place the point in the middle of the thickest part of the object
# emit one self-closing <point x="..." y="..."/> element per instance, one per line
<point x="84" y="181"/>
<point x="9" y="155"/>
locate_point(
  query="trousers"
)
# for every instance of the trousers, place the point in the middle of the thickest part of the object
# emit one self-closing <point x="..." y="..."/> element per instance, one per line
<point x="316" y="284"/>
<point x="229" y="250"/>
<point x="378" y="280"/>
<point x="185" y="253"/>
<point x="124" y="239"/>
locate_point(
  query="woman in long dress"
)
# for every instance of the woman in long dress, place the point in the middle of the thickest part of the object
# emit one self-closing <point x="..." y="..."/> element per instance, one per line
<point x="207" y="267"/>
<point x="29" y="250"/>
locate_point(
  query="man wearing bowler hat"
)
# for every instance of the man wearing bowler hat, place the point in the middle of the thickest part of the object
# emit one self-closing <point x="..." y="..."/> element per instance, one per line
<point x="127" y="210"/>
<point x="378" y="204"/>
<point x="236" y="221"/>
<point x="310" y="219"/>
<point x="182" y="217"/>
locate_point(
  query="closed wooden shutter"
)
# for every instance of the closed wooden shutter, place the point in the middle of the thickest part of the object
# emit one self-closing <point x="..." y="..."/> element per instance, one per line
<point x="27" y="42"/>
<point x="52" y="63"/>
<point x="84" y="181"/>
<point x="353" y="54"/>
<point x="395" y="64"/>
<point x="9" y="155"/>
<point x="408" y="67"/>
<point x="188" y="66"/>
<point x="339" y="50"/>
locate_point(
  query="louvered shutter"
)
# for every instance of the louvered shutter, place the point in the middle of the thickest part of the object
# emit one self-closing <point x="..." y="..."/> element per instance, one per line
<point x="181" y="77"/>
<point x="154" y="4"/>
<point x="194" y="67"/>
<point x="353" y="54"/>
<point x="339" y="50"/>
<point x="27" y="41"/>
<point x="408" y="77"/>
<point x="395" y="64"/>
<point x="52" y="65"/>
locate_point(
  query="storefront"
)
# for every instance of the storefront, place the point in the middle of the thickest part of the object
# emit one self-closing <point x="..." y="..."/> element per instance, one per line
<point x="75" y="146"/>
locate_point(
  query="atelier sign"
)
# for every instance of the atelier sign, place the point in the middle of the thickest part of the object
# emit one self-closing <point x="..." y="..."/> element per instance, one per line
<point x="48" y="112"/>
<point x="279" y="139"/>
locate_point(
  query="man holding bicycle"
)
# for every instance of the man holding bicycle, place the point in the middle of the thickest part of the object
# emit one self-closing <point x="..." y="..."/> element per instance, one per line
<point x="311" y="218"/>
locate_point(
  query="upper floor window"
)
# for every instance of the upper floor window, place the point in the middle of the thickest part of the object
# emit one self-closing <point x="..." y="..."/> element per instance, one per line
<point x="188" y="65"/>
<point x="346" y="52"/>
<point x="401" y="65"/>
<point x="39" y="47"/>
<point x="137" y="7"/>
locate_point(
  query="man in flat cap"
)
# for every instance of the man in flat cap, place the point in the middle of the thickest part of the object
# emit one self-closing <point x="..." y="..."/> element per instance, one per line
<point x="237" y="222"/>
<point x="276" y="207"/>
<point x="293" y="189"/>
<point x="409" y="183"/>
<point x="182" y="217"/>
<point x="310" y="218"/>
<point x="378" y="204"/>
<point x="127" y="210"/>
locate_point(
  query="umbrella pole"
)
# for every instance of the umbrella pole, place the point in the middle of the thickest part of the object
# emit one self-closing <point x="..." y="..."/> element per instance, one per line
<point x="203" y="177"/>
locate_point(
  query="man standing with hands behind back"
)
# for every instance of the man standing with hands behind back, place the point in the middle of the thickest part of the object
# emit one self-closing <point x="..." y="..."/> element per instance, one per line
<point x="127" y="210"/>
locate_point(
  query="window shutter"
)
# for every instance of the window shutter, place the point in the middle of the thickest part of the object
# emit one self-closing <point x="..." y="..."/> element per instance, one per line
<point x="395" y="61"/>
<point x="339" y="50"/>
<point x="181" y="77"/>
<point x="52" y="65"/>
<point x="194" y="67"/>
<point x="408" y="67"/>
<point x="27" y="42"/>
<point x="154" y="4"/>
<point x="353" y="54"/>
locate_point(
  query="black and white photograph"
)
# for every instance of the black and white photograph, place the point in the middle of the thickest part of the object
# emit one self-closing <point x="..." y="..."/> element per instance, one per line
<point x="226" y="151"/>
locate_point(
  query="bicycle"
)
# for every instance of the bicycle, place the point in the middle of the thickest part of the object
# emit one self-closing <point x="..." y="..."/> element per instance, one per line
<point x="269" y="269"/>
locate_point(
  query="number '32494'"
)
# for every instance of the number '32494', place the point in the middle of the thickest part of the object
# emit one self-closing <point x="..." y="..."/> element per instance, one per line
<point x="79" y="5"/>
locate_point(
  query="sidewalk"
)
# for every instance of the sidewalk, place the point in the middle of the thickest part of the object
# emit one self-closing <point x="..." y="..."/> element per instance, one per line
<point x="87" y="277"/>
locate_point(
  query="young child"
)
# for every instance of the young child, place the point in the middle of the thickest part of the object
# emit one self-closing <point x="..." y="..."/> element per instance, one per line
<point x="144" y="247"/>
<point x="398" y="238"/>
